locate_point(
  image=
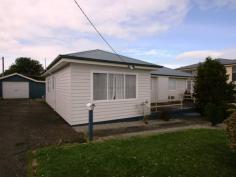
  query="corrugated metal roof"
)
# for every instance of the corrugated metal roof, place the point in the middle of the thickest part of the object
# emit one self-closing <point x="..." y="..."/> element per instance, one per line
<point x="103" y="56"/>
<point x="170" y="72"/>
<point x="221" y="60"/>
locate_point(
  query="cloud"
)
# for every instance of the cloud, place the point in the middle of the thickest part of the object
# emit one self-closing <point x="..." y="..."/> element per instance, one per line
<point x="42" y="51"/>
<point x="121" y="18"/>
<point x="200" y="55"/>
<point x="45" y="28"/>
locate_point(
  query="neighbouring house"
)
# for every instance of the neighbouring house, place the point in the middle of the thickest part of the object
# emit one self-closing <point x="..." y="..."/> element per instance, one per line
<point x="15" y="86"/>
<point x="230" y="66"/>
<point x="117" y="85"/>
<point x="170" y="85"/>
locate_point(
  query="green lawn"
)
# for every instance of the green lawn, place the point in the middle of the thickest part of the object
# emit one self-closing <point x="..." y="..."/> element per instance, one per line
<point x="191" y="153"/>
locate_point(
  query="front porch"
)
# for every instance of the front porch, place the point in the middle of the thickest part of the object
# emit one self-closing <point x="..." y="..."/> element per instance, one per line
<point x="187" y="102"/>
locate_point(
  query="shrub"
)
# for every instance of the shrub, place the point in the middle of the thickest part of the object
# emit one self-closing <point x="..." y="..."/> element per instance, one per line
<point x="215" y="113"/>
<point x="231" y="129"/>
<point x="212" y="91"/>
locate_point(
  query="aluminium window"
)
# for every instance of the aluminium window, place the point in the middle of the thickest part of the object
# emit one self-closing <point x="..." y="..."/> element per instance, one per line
<point x="99" y="86"/>
<point x="130" y="86"/>
<point x="110" y="86"/>
<point x="115" y="86"/>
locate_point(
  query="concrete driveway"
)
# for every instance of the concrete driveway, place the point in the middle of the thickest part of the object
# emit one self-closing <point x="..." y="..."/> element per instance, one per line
<point x="26" y="125"/>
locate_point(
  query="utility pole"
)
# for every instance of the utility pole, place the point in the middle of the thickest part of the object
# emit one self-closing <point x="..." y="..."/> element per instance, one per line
<point x="2" y="66"/>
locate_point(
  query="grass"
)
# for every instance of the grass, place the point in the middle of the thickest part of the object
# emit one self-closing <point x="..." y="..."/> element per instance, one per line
<point x="191" y="153"/>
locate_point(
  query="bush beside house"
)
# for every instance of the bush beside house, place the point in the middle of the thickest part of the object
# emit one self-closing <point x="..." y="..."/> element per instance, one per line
<point x="212" y="91"/>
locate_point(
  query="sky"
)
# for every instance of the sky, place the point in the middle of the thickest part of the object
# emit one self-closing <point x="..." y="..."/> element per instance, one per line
<point x="171" y="33"/>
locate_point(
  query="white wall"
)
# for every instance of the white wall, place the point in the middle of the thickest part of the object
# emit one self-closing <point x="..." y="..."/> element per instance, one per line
<point x="59" y="98"/>
<point x="180" y="89"/>
<point x="162" y="92"/>
<point x="163" y="88"/>
<point x="229" y="72"/>
<point x="81" y="94"/>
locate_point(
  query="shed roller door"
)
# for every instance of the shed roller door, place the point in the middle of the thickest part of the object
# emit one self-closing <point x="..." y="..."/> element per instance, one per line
<point x="15" y="90"/>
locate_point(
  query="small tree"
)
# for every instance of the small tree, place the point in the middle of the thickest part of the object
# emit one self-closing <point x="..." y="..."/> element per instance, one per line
<point x="26" y="66"/>
<point x="212" y="91"/>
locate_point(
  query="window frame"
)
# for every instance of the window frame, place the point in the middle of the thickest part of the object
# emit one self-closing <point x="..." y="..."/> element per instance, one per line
<point x="113" y="72"/>
<point x="190" y="84"/>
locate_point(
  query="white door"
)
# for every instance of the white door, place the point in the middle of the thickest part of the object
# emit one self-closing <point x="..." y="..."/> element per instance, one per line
<point x="15" y="90"/>
<point x="154" y="89"/>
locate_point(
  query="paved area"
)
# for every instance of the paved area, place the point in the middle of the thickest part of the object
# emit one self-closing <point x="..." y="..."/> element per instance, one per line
<point x="156" y="124"/>
<point x="26" y="125"/>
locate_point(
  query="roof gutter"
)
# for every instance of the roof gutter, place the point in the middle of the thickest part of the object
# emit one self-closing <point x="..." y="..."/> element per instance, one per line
<point x="172" y="75"/>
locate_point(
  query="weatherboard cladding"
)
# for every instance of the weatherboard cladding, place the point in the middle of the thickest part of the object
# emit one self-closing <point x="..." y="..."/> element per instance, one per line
<point x="36" y="89"/>
<point x="103" y="56"/>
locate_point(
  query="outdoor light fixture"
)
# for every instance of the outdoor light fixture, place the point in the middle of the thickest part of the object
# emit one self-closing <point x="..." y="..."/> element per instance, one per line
<point x="131" y="67"/>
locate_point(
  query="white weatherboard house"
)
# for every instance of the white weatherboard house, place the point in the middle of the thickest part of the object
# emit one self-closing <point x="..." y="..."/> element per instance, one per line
<point x="117" y="85"/>
<point x="169" y="85"/>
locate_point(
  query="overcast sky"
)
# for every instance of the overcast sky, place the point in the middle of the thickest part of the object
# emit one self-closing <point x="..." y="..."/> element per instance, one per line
<point x="166" y="32"/>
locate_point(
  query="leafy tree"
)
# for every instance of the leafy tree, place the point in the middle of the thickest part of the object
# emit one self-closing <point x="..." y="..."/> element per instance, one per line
<point x="26" y="66"/>
<point x="212" y="91"/>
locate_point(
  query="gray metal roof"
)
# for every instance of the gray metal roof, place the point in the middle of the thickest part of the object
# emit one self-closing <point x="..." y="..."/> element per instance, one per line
<point x="170" y="72"/>
<point x="103" y="56"/>
<point x="221" y="60"/>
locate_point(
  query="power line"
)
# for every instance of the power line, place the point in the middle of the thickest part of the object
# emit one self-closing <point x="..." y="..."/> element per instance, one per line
<point x="94" y="27"/>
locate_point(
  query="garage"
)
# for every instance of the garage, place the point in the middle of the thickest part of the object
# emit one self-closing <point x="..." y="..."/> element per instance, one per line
<point x="18" y="86"/>
<point x="15" y="90"/>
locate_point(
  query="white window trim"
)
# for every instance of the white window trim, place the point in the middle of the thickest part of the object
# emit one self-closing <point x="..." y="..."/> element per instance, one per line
<point x="112" y="72"/>
<point x="187" y="84"/>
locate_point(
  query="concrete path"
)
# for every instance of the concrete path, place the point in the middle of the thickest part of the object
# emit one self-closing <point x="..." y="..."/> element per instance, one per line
<point x="158" y="131"/>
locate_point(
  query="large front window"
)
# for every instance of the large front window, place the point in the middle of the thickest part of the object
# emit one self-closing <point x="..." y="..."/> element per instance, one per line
<point x="111" y="86"/>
